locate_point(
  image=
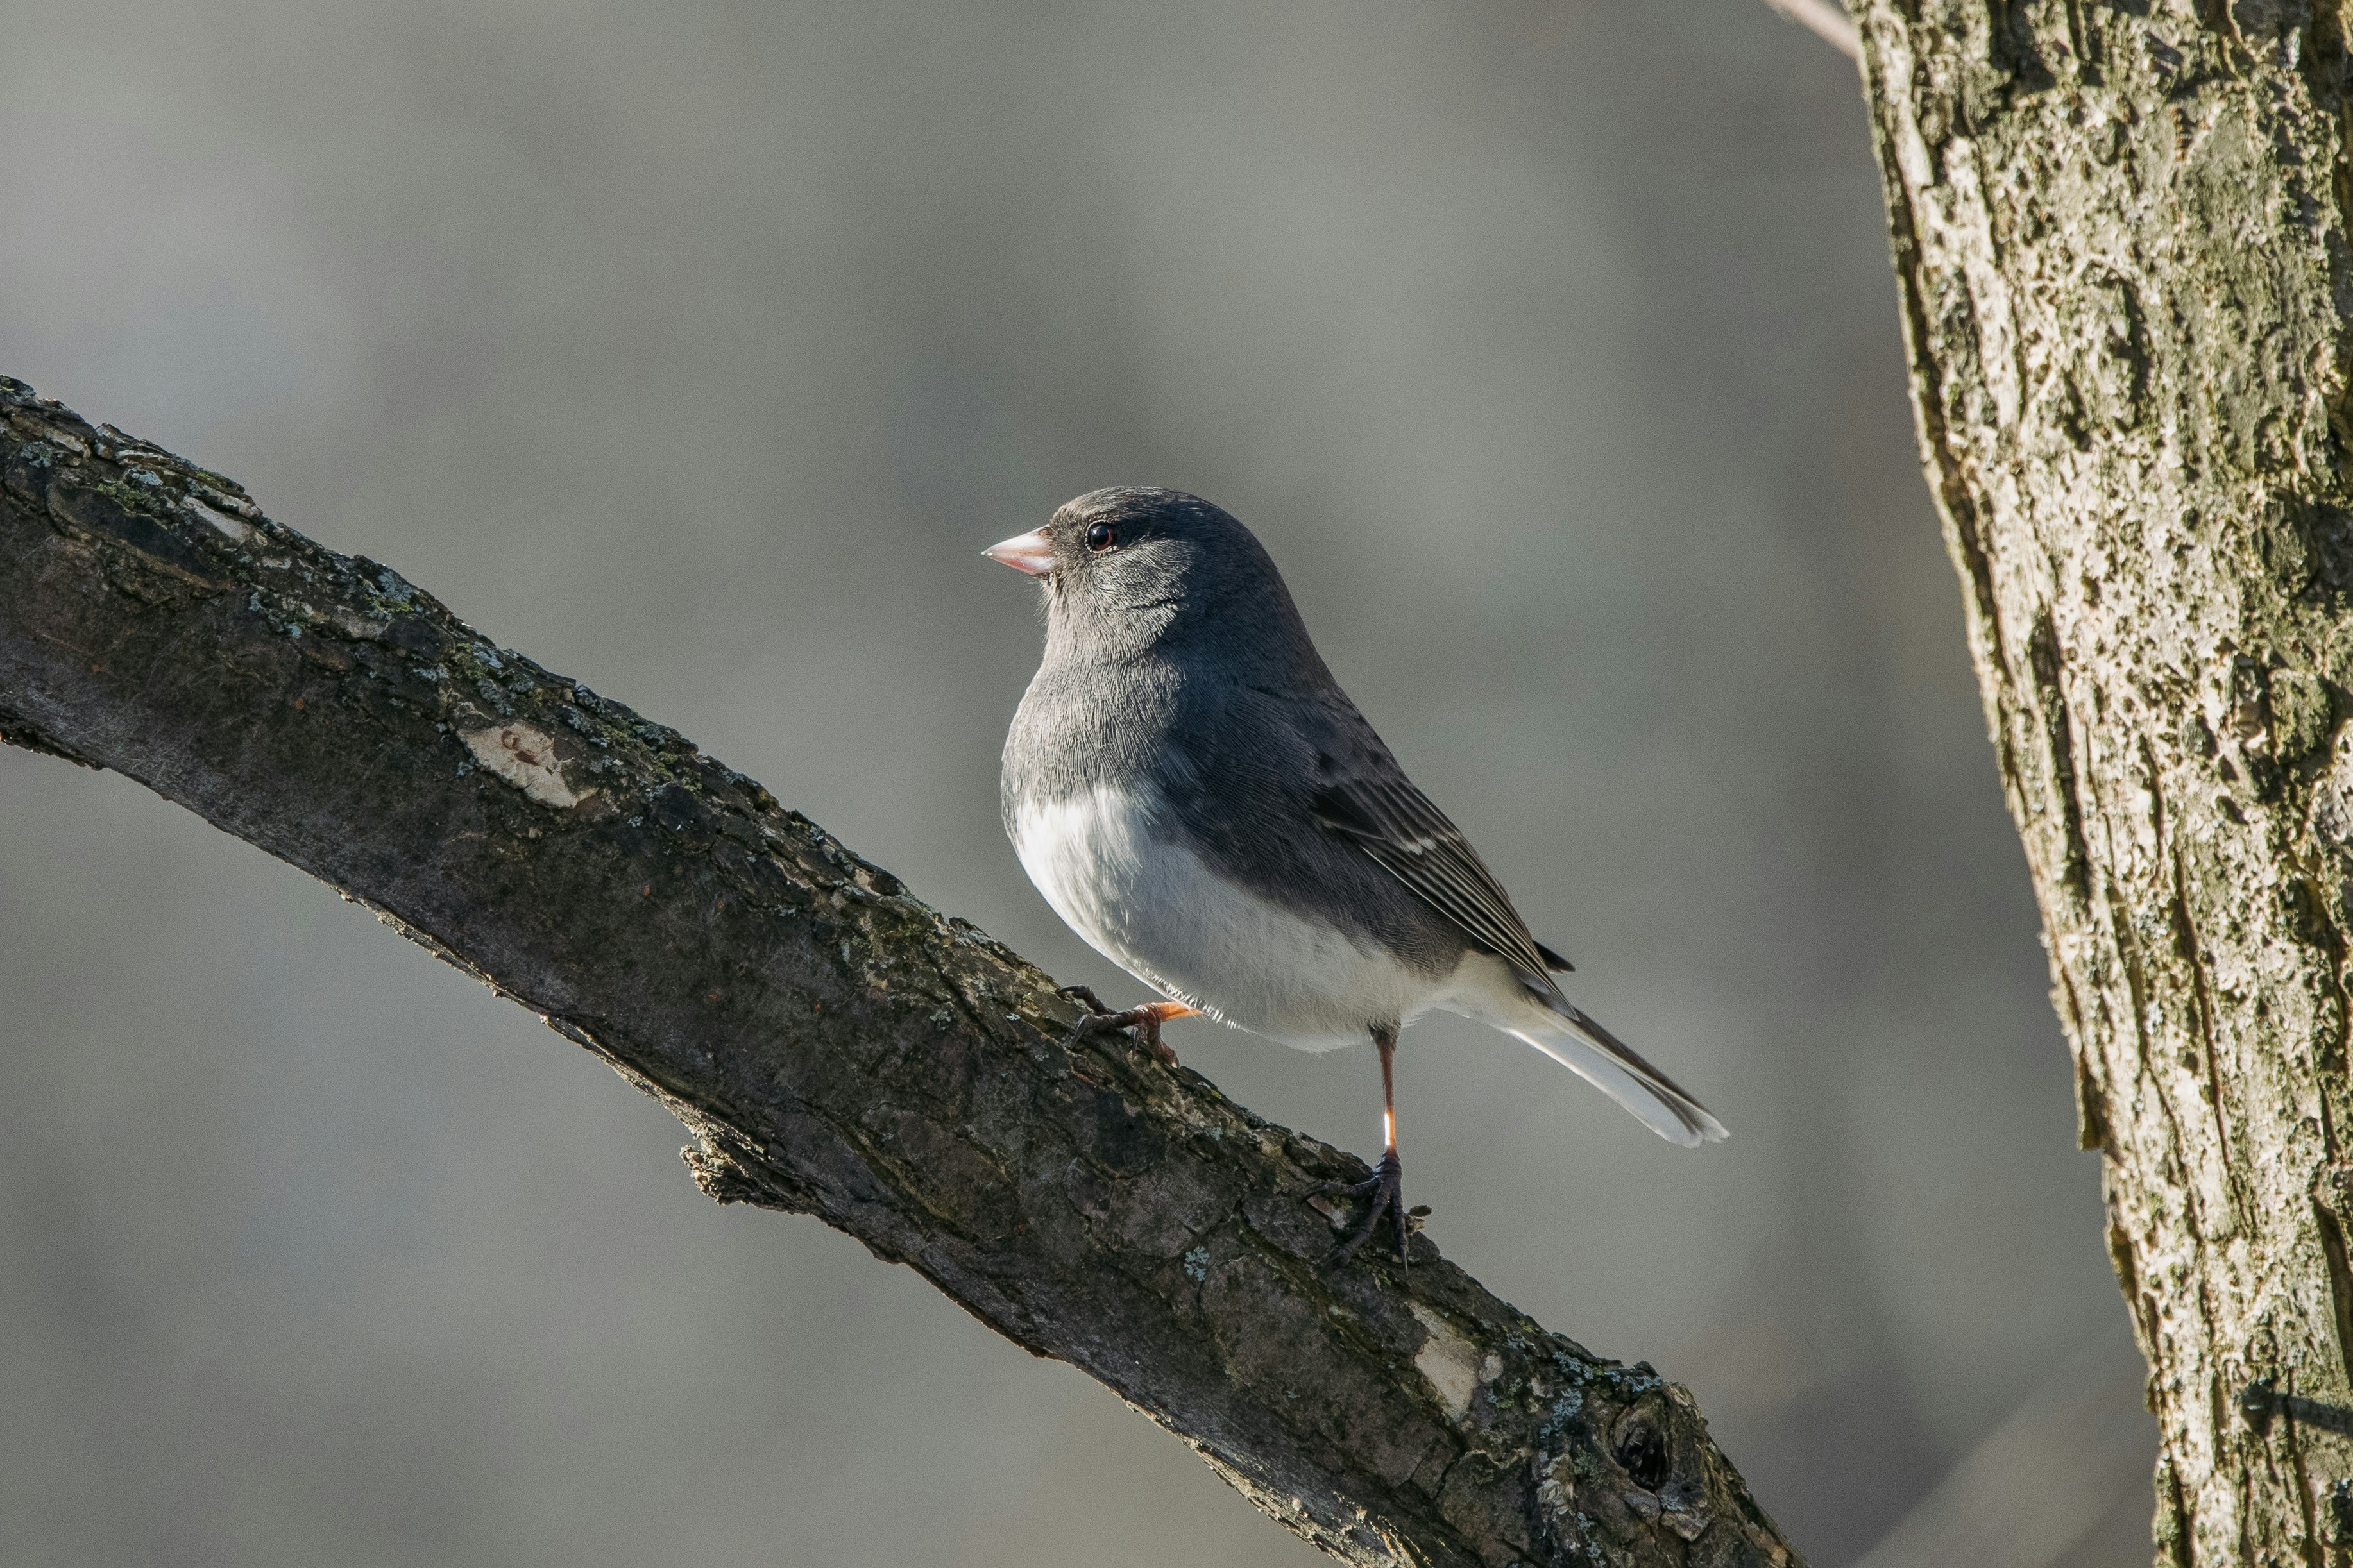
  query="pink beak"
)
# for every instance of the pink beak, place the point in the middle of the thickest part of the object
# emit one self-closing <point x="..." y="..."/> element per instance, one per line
<point x="1030" y="553"/>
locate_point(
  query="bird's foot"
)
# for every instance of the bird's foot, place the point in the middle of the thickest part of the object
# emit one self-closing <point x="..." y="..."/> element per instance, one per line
<point x="1145" y="1020"/>
<point x="1383" y="1194"/>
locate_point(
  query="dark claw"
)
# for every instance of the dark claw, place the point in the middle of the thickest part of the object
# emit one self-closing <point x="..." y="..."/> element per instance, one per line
<point x="1385" y="1188"/>
<point x="1145" y="1021"/>
<point x="1085" y="993"/>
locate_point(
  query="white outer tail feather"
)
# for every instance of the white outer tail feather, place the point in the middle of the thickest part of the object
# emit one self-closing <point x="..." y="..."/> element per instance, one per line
<point x="1587" y="1050"/>
<point x="1532" y="1008"/>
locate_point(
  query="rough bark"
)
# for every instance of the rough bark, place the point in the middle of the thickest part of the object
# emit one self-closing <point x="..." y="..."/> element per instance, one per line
<point x="2119" y="234"/>
<point x="837" y="1048"/>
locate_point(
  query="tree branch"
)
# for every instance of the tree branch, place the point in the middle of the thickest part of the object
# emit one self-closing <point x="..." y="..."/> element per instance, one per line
<point x="1827" y="20"/>
<point x="836" y="1047"/>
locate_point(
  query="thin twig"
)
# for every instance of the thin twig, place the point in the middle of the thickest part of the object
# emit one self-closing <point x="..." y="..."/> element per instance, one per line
<point x="1827" y="20"/>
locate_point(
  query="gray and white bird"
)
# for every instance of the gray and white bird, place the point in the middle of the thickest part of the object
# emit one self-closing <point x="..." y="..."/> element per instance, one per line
<point x="1196" y="799"/>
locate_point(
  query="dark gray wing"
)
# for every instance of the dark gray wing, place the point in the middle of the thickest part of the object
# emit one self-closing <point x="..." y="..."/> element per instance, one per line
<point x="1398" y="826"/>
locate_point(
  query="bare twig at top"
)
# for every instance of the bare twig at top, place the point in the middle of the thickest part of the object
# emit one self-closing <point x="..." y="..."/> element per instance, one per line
<point x="1827" y="20"/>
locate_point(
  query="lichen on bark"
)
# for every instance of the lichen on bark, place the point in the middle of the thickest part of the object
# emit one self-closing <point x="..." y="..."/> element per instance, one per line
<point x="836" y="1047"/>
<point x="2120" y="242"/>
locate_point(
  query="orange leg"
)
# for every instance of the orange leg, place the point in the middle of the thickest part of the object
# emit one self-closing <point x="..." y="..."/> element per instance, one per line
<point x="1384" y="1187"/>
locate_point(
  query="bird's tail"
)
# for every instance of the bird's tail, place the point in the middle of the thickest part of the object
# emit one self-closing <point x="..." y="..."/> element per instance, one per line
<point x="1554" y="1026"/>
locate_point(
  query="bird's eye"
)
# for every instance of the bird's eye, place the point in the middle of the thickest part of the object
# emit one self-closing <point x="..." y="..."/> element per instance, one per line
<point x="1102" y="536"/>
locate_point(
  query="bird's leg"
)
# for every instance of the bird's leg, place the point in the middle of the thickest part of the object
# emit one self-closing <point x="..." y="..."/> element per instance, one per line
<point x="1145" y="1020"/>
<point x="1384" y="1187"/>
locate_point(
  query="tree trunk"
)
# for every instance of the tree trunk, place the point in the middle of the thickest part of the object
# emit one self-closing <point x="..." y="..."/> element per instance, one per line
<point x="2119" y="236"/>
<point x="837" y="1048"/>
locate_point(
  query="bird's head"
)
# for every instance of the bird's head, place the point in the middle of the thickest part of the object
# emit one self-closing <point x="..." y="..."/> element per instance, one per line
<point x="1136" y="567"/>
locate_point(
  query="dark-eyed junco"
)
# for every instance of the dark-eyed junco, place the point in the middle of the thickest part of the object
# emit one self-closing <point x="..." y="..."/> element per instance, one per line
<point x="1198" y="799"/>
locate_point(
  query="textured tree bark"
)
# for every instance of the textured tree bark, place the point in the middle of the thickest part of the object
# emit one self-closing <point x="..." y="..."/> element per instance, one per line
<point x="2119" y="235"/>
<point x="837" y="1048"/>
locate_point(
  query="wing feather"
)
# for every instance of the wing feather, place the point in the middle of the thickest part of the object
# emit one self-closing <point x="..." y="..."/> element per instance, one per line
<point x="1410" y="838"/>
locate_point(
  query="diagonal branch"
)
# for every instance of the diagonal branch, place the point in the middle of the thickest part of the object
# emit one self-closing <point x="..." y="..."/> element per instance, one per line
<point x="836" y="1047"/>
<point x="1827" y="20"/>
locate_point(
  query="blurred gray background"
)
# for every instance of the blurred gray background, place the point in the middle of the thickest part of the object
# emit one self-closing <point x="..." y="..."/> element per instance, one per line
<point x="696" y="349"/>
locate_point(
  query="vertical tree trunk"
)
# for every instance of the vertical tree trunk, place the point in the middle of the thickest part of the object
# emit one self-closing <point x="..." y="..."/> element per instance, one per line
<point x="2119" y="236"/>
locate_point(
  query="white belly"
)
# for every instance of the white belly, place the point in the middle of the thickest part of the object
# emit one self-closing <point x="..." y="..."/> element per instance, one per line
<point x="1159" y="912"/>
